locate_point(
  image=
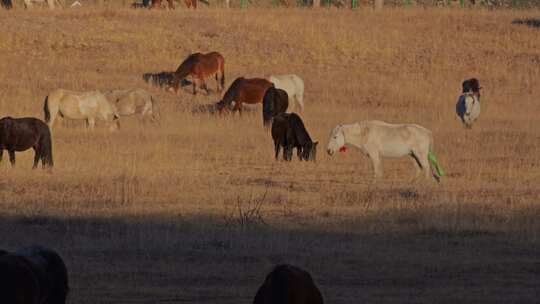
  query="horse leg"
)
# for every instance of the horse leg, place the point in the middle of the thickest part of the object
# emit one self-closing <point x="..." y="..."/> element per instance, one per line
<point x="300" y="100"/>
<point x="287" y="153"/>
<point x="203" y="85"/>
<point x="171" y="4"/>
<point x="12" y="157"/>
<point x="37" y="156"/>
<point x="194" y="85"/>
<point x="376" y="162"/>
<point x="417" y="166"/>
<point x="91" y="123"/>
<point x="277" y="146"/>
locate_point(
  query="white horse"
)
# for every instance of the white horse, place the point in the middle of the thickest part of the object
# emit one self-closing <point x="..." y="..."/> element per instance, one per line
<point x="80" y="105"/>
<point x="379" y="139"/>
<point x="468" y="108"/>
<point x="133" y="101"/>
<point x="51" y="3"/>
<point x="293" y="85"/>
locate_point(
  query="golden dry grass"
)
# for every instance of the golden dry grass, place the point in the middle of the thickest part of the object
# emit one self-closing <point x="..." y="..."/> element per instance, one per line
<point x="150" y="213"/>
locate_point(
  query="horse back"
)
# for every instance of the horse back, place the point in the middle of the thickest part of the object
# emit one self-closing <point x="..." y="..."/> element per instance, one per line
<point x="301" y="134"/>
<point x="252" y="90"/>
<point x="22" y="133"/>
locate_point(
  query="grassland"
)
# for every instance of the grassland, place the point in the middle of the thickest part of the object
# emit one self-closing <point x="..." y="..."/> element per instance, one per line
<point x="152" y="213"/>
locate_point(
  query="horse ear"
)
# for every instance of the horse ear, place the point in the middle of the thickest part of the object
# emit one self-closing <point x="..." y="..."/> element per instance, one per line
<point x="315" y="144"/>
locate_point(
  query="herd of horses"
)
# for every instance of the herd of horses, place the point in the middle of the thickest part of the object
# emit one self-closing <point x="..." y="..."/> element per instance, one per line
<point x="38" y="275"/>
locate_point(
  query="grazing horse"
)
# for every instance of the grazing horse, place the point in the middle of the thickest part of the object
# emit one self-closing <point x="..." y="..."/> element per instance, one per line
<point x="50" y="3"/>
<point x="275" y="101"/>
<point x="33" y="275"/>
<point x="20" y="134"/>
<point x="288" y="131"/>
<point x="293" y="85"/>
<point x="133" y="101"/>
<point x="288" y="284"/>
<point x="80" y="105"/>
<point x="200" y="66"/>
<point x="244" y="90"/>
<point x="468" y="108"/>
<point x="7" y="4"/>
<point x="191" y="3"/>
<point x="379" y="139"/>
<point x="157" y="4"/>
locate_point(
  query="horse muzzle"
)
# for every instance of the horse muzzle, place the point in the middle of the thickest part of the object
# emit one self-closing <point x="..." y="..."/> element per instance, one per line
<point x="330" y="152"/>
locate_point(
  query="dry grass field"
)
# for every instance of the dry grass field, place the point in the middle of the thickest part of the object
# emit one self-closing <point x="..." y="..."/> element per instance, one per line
<point x="194" y="209"/>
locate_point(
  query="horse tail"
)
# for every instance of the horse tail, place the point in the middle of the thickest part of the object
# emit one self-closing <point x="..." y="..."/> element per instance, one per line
<point x="46" y="148"/>
<point x="222" y="68"/>
<point x="46" y="110"/>
<point x="268" y="100"/>
<point x="433" y="160"/>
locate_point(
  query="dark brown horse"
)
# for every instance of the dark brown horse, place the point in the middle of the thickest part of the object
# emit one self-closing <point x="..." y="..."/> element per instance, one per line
<point x="288" y="284"/>
<point x="244" y="90"/>
<point x="200" y="66"/>
<point x="157" y="4"/>
<point x="275" y="101"/>
<point x="33" y="275"/>
<point x="289" y="132"/>
<point x="20" y="134"/>
<point x="6" y="4"/>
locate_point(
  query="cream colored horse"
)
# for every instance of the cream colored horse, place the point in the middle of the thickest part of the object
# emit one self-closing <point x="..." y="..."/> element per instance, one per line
<point x="80" y="105"/>
<point x="379" y="139"/>
<point x="293" y="85"/>
<point x="51" y="3"/>
<point x="133" y="101"/>
<point x="468" y="108"/>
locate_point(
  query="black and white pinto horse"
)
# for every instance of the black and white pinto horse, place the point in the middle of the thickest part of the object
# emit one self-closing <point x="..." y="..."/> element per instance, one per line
<point x="468" y="104"/>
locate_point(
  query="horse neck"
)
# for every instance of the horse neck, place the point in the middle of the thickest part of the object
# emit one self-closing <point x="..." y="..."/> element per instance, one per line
<point x="353" y="134"/>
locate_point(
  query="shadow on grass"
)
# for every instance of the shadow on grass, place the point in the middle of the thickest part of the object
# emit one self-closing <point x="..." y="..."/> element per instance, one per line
<point x="531" y="22"/>
<point x="203" y="259"/>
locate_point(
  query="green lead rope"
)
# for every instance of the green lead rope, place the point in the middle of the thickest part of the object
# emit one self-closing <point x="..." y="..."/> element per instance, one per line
<point x="433" y="160"/>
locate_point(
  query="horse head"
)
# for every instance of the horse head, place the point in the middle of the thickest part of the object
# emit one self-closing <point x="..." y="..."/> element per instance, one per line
<point x="309" y="151"/>
<point x="337" y="140"/>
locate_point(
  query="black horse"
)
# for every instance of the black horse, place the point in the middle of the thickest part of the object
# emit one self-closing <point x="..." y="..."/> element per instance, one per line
<point x="288" y="131"/>
<point x="20" y="134"/>
<point x="288" y="284"/>
<point x="6" y="4"/>
<point x="275" y="101"/>
<point x="471" y="86"/>
<point x="33" y="275"/>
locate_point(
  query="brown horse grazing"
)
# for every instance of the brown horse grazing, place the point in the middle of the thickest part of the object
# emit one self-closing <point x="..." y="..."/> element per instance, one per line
<point x="20" y="134"/>
<point x="275" y="101"/>
<point x="157" y="4"/>
<point x="200" y="66"/>
<point x="33" y="275"/>
<point x="288" y="284"/>
<point x="190" y="3"/>
<point x="244" y="90"/>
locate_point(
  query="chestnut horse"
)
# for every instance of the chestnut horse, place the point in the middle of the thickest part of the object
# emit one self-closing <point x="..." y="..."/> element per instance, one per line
<point x="20" y="134"/>
<point x="244" y="90"/>
<point x="157" y="4"/>
<point x="200" y="66"/>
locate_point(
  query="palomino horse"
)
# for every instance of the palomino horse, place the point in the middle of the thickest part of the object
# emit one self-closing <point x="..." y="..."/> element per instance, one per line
<point x="468" y="108"/>
<point x="288" y="284"/>
<point x="133" y="101"/>
<point x="33" y="275"/>
<point x="379" y="139"/>
<point x="200" y="66"/>
<point x="80" y="105"/>
<point x="243" y="90"/>
<point x="275" y="101"/>
<point x="20" y="134"/>
<point x="294" y="86"/>
<point x="157" y="4"/>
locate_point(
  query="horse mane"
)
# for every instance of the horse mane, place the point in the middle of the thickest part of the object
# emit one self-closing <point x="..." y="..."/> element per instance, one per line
<point x="184" y="69"/>
<point x="231" y="92"/>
